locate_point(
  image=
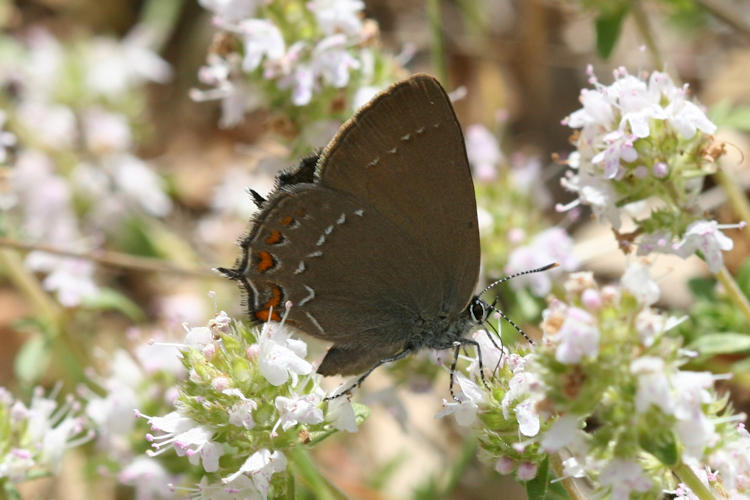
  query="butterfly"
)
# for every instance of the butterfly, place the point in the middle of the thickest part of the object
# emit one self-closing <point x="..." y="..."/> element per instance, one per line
<point x="375" y="240"/>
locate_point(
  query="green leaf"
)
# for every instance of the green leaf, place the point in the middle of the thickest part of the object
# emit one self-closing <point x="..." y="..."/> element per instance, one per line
<point x="32" y="360"/>
<point x="608" y="26"/>
<point x="110" y="299"/>
<point x="721" y="343"/>
<point x="661" y="445"/>
<point x="542" y="487"/>
<point x="703" y="288"/>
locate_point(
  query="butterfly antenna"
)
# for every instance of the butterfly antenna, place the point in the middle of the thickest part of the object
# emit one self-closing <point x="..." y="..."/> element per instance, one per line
<point x="511" y="322"/>
<point x="522" y="273"/>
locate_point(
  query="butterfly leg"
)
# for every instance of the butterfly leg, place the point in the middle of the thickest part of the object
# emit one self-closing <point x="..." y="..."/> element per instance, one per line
<point x="362" y="377"/>
<point x="499" y="347"/>
<point x="458" y="344"/>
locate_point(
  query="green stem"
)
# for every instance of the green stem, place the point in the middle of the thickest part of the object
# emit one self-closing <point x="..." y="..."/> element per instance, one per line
<point x="687" y="476"/>
<point x="67" y="349"/>
<point x="11" y="493"/>
<point x="734" y="292"/>
<point x="307" y="472"/>
<point x="437" y="53"/>
<point x="161" y="17"/>
<point x="24" y="281"/>
<point x="641" y="20"/>
<point x="736" y="195"/>
<point x="568" y="483"/>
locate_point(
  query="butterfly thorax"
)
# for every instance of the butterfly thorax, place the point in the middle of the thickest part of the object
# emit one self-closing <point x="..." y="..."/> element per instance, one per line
<point x="440" y="332"/>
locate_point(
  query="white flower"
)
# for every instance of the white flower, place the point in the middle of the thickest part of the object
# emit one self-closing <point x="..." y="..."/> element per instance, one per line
<point x="138" y="182"/>
<point x="261" y="465"/>
<point x="637" y="280"/>
<point x="302" y="82"/>
<point x="113" y="67"/>
<point x="46" y="431"/>
<point x="297" y="409"/>
<point x="562" y="432"/>
<point x="596" y="192"/>
<point x="492" y="353"/>
<point x="526" y="471"/>
<point x="341" y="414"/>
<point x="106" y="132"/>
<point x="187" y="438"/>
<point x="53" y="125"/>
<point x="70" y="278"/>
<point x="638" y="104"/>
<point x="241" y="413"/>
<point x="596" y="110"/>
<point x="240" y="488"/>
<point x="261" y="38"/>
<point x="618" y="147"/>
<point x="687" y="118"/>
<point x="578" y="337"/>
<point x="653" y="384"/>
<point x="527" y="417"/>
<point x="281" y="356"/>
<point x="332" y="62"/>
<point x="149" y="478"/>
<point x="705" y="236"/>
<point x="336" y="16"/>
<point x="470" y="396"/>
<point x="624" y="477"/>
<point x="483" y="152"/>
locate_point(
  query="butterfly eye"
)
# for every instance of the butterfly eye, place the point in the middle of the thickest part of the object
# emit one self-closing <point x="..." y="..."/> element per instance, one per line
<point x="478" y="310"/>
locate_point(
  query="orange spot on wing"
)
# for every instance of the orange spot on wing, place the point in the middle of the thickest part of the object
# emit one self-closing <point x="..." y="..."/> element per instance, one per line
<point x="273" y="303"/>
<point x="274" y="238"/>
<point x="265" y="261"/>
<point x="288" y="220"/>
<point x="300" y="212"/>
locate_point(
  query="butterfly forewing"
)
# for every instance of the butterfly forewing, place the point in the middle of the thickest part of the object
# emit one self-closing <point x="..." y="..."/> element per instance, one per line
<point x="410" y="146"/>
<point x="379" y="251"/>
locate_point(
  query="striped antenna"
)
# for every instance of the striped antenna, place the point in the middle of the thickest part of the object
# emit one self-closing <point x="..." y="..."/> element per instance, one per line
<point x="522" y="273"/>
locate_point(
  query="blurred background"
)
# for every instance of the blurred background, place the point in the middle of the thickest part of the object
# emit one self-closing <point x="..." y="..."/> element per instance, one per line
<point x="125" y="153"/>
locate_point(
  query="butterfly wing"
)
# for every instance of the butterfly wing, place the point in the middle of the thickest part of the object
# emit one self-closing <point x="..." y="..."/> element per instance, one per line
<point x="345" y="268"/>
<point x="404" y="154"/>
<point x="383" y="240"/>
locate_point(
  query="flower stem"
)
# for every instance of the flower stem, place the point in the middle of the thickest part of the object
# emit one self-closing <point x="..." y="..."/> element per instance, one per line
<point x="568" y="483"/>
<point x="114" y="259"/>
<point x="734" y="292"/>
<point x="687" y="476"/>
<point x="12" y="265"/>
<point x="304" y="468"/>
<point x="641" y="20"/>
<point x="436" y="34"/>
<point x="736" y="196"/>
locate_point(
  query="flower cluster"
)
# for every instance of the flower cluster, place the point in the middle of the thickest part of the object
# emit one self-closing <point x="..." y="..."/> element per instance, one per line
<point x="34" y="438"/>
<point x="147" y="379"/>
<point x="319" y="55"/>
<point x="643" y="150"/>
<point x="69" y="118"/>
<point x="605" y="392"/>
<point x="249" y="397"/>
